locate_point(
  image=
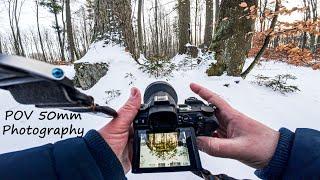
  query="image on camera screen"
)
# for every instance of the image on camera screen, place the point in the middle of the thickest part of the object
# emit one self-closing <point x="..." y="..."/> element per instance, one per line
<point x="158" y="150"/>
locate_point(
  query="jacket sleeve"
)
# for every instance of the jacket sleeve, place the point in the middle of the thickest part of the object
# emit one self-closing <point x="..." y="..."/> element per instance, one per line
<point x="297" y="156"/>
<point x="76" y="158"/>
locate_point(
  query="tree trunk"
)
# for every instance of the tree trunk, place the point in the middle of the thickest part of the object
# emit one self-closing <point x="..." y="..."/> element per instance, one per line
<point x="63" y="30"/>
<point x="209" y="23"/>
<point x="144" y="32"/>
<point x="16" y="19"/>
<point x="184" y="25"/>
<point x="39" y="33"/>
<point x="11" y="20"/>
<point x="216" y="13"/>
<point x="156" y="27"/>
<point x="59" y="37"/>
<point x="195" y="24"/>
<point x="1" y="46"/>
<point x="124" y="11"/>
<point x="113" y="23"/>
<point x="139" y="21"/>
<point x="72" y="49"/>
<point x="232" y="40"/>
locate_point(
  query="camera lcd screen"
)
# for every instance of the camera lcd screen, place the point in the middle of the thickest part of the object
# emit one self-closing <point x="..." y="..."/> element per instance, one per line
<point x="165" y="151"/>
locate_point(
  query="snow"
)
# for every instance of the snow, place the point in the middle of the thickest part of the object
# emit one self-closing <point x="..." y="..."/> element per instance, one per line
<point x="271" y="108"/>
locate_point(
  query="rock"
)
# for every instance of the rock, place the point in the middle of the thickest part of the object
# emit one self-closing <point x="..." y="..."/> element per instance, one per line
<point x="192" y="51"/>
<point x="87" y="75"/>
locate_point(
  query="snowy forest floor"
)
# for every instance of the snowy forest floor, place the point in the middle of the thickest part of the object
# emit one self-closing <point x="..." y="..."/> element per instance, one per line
<point x="293" y="110"/>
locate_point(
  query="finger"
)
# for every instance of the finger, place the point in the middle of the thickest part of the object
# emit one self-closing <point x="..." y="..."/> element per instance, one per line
<point x="222" y="133"/>
<point x="127" y="113"/>
<point x="218" y="147"/>
<point x="209" y="96"/>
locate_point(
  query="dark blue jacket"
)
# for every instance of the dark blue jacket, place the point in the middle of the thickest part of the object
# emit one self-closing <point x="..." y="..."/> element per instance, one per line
<point x="297" y="156"/>
<point x="72" y="159"/>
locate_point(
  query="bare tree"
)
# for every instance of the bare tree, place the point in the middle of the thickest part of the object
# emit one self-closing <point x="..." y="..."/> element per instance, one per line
<point x="156" y="27"/>
<point x="17" y="13"/>
<point x="216" y="12"/>
<point x="184" y="24"/>
<point x="139" y="21"/>
<point x="195" y="23"/>
<point x="71" y="45"/>
<point x="314" y="12"/>
<point x="39" y="33"/>
<point x="209" y="23"/>
<point x="55" y="8"/>
<point x="262" y="9"/>
<point x="307" y="16"/>
<point x="1" y="45"/>
<point x="14" y="10"/>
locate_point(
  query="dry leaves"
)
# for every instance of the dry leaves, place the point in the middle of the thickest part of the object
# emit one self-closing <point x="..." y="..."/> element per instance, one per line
<point x="289" y="53"/>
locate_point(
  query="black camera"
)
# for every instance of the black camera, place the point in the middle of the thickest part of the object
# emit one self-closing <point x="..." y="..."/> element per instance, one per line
<point x="165" y="133"/>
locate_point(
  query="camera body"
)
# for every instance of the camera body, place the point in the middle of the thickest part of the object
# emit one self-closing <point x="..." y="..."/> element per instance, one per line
<point x="193" y="113"/>
<point x="165" y="132"/>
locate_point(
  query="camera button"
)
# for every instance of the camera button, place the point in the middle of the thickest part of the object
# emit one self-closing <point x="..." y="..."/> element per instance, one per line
<point x="186" y="118"/>
<point x="207" y="110"/>
<point x="200" y="118"/>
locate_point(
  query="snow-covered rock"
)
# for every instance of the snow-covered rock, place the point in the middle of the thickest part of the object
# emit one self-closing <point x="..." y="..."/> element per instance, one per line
<point x="87" y="75"/>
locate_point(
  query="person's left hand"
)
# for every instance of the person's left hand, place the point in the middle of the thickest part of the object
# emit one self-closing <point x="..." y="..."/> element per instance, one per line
<point x="118" y="132"/>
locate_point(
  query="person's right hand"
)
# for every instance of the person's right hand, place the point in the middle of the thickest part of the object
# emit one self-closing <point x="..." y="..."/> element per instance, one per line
<point x="238" y="137"/>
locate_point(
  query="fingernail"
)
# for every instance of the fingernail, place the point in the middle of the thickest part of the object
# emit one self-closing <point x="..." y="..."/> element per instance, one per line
<point x="133" y="93"/>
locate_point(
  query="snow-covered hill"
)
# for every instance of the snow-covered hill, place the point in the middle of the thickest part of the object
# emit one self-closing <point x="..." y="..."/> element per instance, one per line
<point x="274" y="109"/>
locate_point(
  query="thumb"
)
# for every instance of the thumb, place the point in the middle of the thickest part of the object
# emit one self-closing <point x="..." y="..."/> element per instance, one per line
<point x="127" y="112"/>
<point x="218" y="147"/>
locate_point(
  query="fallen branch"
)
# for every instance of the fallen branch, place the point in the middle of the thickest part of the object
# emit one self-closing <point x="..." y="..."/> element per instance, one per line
<point x="266" y="41"/>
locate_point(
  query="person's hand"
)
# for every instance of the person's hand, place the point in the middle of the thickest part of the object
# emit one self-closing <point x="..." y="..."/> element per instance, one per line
<point x="238" y="137"/>
<point x="118" y="132"/>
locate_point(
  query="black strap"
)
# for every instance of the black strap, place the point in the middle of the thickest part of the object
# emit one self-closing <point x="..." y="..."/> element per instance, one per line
<point x="206" y="175"/>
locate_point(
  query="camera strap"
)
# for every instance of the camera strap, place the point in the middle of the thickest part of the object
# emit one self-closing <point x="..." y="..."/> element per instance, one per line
<point x="45" y="86"/>
<point x="206" y="175"/>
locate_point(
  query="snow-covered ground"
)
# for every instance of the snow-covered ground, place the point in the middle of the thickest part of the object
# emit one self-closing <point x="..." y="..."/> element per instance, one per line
<point x="274" y="109"/>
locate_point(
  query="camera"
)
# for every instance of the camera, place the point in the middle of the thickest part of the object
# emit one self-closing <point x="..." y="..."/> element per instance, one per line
<point x="165" y="132"/>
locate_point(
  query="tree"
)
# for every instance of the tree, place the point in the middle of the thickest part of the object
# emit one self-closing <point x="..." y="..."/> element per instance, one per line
<point x="216" y="13"/>
<point x="113" y="23"/>
<point x="314" y="12"/>
<point x="184" y="24"/>
<point x="266" y="41"/>
<point x="139" y="21"/>
<point x="72" y="49"/>
<point x="14" y="10"/>
<point x="55" y="8"/>
<point x="39" y="33"/>
<point x="262" y="9"/>
<point x="232" y="39"/>
<point x="195" y="23"/>
<point x="209" y="23"/>
<point x="1" y="45"/>
<point x="156" y="27"/>
<point x="16" y="19"/>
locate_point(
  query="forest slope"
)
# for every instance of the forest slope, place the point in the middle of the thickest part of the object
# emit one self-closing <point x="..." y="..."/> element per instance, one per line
<point x="300" y="109"/>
